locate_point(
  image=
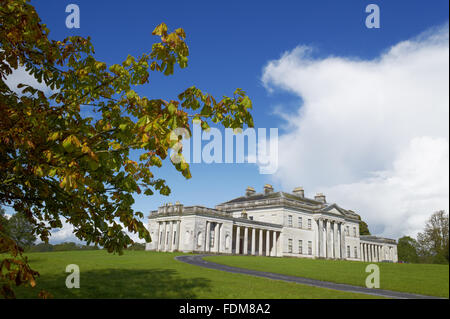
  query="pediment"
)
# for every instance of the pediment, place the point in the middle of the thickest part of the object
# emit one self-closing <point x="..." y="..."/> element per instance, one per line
<point x="334" y="209"/>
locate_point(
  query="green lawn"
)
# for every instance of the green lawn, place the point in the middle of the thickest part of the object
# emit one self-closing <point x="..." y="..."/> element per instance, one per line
<point x="414" y="278"/>
<point x="141" y="274"/>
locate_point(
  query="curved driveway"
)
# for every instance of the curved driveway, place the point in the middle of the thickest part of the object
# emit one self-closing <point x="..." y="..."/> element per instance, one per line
<point x="198" y="260"/>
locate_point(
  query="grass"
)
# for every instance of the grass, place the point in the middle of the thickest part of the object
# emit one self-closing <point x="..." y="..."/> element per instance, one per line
<point x="142" y="274"/>
<point x="423" y="279"/>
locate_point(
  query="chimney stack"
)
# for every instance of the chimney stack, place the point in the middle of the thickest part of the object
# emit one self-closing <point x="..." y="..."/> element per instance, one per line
<point x="320" y="198"/>
<point x="249" y="191"/>
<point x="268" y="189"/>
<point x="299" y="192"/>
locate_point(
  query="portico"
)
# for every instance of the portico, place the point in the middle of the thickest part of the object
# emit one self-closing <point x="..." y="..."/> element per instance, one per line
<point x="331" y="238"/>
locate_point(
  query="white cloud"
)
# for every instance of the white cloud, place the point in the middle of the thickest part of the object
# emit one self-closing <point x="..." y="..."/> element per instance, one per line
<point x="372" y="134"/>
<point x="20" y="75"/>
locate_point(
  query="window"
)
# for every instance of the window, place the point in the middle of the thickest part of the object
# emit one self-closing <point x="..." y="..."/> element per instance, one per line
<point x="174" y="237"/>
<point x="290" y="220"/>
<point x="199" y="239"/>
<point x="161" y="238"/>
<point x="309" y="247"/>
<point x="250" y="217"/>
<point x="348" y="251"/>
<point x="354" y="231"/>
<point x="309" y="223"/>
<point x="290" y="245"/>
<point x="300" y="246"/>
<point x="300" y="222"/>
<point x="167" y="238"/>
<point x="356" y="252"/>
<point x="347" y="230"/>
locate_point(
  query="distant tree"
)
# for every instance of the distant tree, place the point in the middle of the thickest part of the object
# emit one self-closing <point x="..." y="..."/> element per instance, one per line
<point x="363" y="228"/>
<point x="136" y="246"/>
<point x="407" y="249"/>
<point x="21" y="230"/>
<point x="66" y="246"/>
<point x="41" y="247"/>
<point x="433" y="242"/>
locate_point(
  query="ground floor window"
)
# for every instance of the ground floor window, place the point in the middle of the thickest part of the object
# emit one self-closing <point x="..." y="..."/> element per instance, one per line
<point x="309" y="247"/>
<point x="300" y="246"/>
<point x="290" y="245"/>
<point x="348" y="251"/>
<point x="356" y="252"/>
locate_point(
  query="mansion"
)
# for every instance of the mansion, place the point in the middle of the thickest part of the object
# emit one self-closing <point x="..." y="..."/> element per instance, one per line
<point x="268" y="224"/>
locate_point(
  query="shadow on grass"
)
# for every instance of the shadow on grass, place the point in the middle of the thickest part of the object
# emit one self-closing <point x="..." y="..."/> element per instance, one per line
<point x="119" y="283"/>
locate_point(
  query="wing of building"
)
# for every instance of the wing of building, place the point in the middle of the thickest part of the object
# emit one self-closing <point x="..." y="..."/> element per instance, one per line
<point x="268" y="224"/>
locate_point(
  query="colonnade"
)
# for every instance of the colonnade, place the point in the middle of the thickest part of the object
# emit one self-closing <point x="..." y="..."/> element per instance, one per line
<point x="331" y="238"/>
<point x="168" y="236"/>
<point x="371" y="252"/>
<point x="256" y="241"/>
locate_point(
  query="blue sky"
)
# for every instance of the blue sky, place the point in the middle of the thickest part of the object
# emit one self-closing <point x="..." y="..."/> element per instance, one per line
<point x="231" y="43"/>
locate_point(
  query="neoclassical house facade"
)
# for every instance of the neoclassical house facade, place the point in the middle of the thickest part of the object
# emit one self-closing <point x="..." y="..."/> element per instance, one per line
<point x="268" y="224"/>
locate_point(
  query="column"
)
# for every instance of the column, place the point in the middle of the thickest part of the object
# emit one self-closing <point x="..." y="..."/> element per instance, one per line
<point x="178" y="235"/>
<point x="274" y="249"/>
<point x="207" y="236"/>
<point x="260" y="251"/>
<point x="171" y="236"/>
<point x="361" y="254"/>
<point x="279" y="248"/>
<point x="320" y="243"/>
<point x="164" y="237"/>
<point x="245" y="240"/>
<point x="335" y="241"/>
<point x="157" y="237"/>
<point x="253" y="241"/>
<point x="267" y="242"/>
<point x="328" y="232"/>
<point x="222" y="239"/>
<point x="216" y="237"/>
<point x="238" y="239"/>
<point x="342" y="241"/>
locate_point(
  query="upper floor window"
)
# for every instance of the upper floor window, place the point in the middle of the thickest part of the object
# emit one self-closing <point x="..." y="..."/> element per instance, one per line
<point x="300" y="222"/>
<point x="290" y="220"/>
<point x="354" y="231"/>
<point x="347" y="230"/>
<point x="309" y="223"/>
